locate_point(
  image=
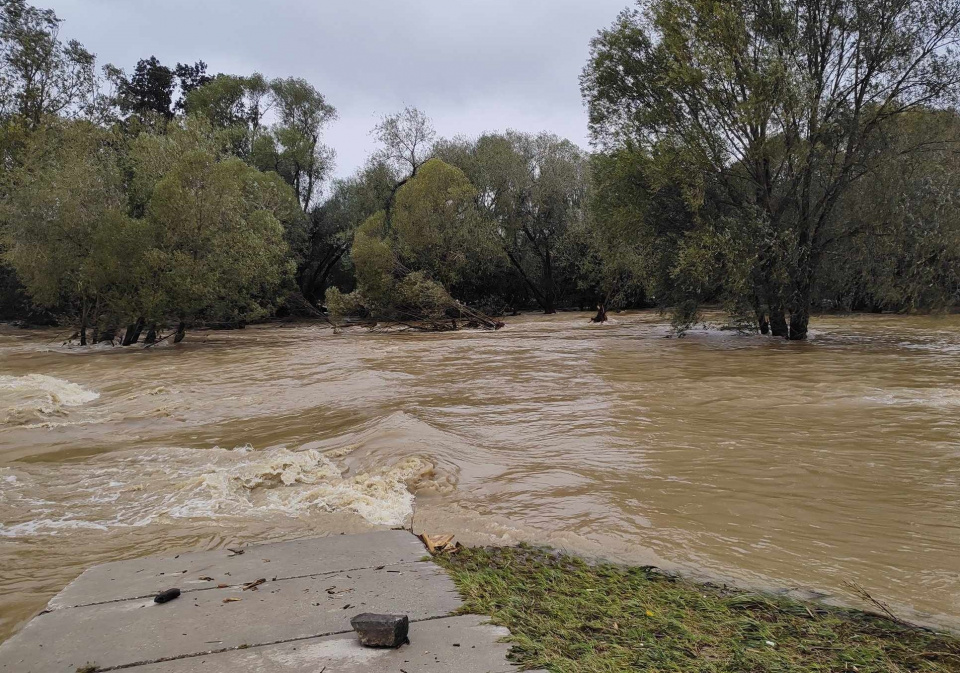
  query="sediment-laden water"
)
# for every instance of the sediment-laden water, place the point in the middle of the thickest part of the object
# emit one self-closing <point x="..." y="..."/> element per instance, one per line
<point x="768" y="463"/>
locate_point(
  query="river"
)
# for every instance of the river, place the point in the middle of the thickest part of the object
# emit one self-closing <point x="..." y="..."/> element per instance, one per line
<point x="762" y="462"/>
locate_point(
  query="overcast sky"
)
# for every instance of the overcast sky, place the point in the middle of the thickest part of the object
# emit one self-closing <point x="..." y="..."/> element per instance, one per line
<point x="472" y="65"/>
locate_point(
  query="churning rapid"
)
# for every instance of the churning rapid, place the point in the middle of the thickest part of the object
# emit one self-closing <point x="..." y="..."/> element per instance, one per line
<point x="764" y="462"/>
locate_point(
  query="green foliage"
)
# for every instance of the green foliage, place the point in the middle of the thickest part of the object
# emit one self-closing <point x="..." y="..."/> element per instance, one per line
<point x="64" y="215"/>
<point x="40" y="75"/>
<point x="533" y="190"/>
<point x="149" y="91"/>
<point x="405" y="269"/>
<point x="765" y="114"/>
<point x="290" y="146"/>
<point x="209" y="243"/>
<point x="899" y="247"/>
<point x="566" y="615"/>
<point x="220" y="249"/>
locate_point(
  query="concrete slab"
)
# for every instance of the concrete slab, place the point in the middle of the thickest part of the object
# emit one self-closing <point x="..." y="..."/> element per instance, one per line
<point x="146" y="577"/>
<point x="124" y="633"/>
<point x="438" y="646"/>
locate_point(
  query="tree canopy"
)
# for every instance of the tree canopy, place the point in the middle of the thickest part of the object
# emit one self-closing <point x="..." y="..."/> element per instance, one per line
<point x="773" y="157"/>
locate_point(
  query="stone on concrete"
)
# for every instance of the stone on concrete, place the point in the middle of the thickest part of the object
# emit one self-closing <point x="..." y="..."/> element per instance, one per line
<point x="432" y="649"/>
<point x="297" y="621"/>
<point x="166" y="596"/>
<point x="375" y="630"/>
<point x="127" y="632"/>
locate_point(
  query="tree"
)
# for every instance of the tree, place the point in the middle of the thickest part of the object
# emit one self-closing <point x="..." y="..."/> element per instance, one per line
<point x="774" y="107"/>
<point x="406" y="144"/>
<point x="190" y="78"/>
<point x="220" y="252"/>
<point x="900" y="246"/>
<point x="149" y="91"/>
<point x="40" y="75"/>
<point x="276" y="126"/>
<point x="64" y="223"/>
<point x="333" y="224"/>
<point x="405" y="272"/>
<point x="534" y="188"/>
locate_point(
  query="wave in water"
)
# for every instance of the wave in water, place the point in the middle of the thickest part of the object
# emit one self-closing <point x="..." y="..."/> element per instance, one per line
<point x="23" y="398"/>
<point x="141" y="488"/>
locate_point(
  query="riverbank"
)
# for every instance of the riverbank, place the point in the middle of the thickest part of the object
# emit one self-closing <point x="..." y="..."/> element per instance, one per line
<point x="568" y="615"/>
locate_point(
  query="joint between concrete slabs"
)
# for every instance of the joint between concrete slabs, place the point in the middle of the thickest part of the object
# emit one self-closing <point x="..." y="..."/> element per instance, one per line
<point x="229" y="586"/>
<point x="182" y="657"/>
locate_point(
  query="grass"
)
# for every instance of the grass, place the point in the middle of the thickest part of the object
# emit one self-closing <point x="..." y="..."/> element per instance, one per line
<point x="568" y="615"/>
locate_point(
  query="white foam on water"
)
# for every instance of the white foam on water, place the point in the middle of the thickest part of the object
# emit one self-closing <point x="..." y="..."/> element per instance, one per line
<point x="23" y="397"/>
<point x="294" y="482"/>
<point x="139" y="488"/>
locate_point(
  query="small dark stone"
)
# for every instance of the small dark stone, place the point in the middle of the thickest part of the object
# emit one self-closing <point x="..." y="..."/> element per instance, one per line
<point x="167" y="596"/>
<point x="381" y="630"/>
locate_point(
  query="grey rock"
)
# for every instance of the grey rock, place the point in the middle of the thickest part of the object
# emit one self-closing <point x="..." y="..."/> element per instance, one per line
<point x="381" y="630"/>
<point x="166" y="596"/>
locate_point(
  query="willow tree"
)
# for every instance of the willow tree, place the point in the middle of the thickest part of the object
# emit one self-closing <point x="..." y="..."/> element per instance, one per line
<point x="534" y="189"/>
<point x="406" y="269"/>
<point x="63" y="223"/>
<point x="219" y="251"/>
<point x="40" y="74"/>
<point x="903" y="248"/>
<point x="773" y="106"/>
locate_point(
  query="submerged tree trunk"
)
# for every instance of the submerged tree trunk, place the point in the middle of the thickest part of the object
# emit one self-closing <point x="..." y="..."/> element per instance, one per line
<point x="132" y="333"/>
<point x="108" y="334"/>
<point x="181" y="332"/>
<point x="803" y="298"/>
<point x="601" y="316"/>
<point x="799" y="322"/>
<point x="151" y="335"/>
<point x="778" y="322"/>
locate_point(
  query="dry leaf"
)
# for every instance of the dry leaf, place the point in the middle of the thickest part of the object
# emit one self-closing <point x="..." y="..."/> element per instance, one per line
<point x="436" y="543"/>
<point x="254" y="585"/>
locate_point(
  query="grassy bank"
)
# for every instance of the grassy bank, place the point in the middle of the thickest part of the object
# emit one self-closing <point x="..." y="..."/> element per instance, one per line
<point x="568" y="615"/>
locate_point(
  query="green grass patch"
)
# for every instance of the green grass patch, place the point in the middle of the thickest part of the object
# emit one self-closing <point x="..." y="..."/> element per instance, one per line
<point x="569" y="615"/>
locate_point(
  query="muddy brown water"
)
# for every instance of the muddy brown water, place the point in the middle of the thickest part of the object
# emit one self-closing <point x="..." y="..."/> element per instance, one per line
<point x="767" y="463"/>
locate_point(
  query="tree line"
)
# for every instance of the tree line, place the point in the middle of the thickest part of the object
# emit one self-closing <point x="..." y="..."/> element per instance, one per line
<point x="775" y="157"/>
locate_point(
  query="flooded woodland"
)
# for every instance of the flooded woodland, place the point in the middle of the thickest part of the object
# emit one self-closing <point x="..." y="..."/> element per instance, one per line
<point x="766" y="463"/>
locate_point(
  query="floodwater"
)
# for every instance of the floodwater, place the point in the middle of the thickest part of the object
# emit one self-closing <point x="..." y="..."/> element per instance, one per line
<point x="766" y="463"/>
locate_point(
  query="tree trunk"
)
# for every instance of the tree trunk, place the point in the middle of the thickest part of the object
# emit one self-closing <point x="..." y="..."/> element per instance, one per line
<point x="181" y="332"/>
<point x="764" y="324"/>
<point x="778" y="322"/>
<point x="800" y="315"/>
<point x="800" y="310"/>
<point x="545" y="302"/>
<point x="151" y="335"/>
<point x="799" y="321"/>
<point x="83" y="331"/>
<point x="132" y="333"/>
<point x="601" y="316"/>
<point x="108" y="334"/>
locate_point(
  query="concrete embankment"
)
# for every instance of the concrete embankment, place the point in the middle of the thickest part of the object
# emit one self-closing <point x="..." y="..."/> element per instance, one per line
<point x="282" y="607"/>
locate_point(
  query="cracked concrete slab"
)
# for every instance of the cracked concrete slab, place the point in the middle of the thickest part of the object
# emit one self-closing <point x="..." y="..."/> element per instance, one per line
<point x="205" y="570"/>
<point x="133" y="632"/>
<point x="460" y="644"/>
